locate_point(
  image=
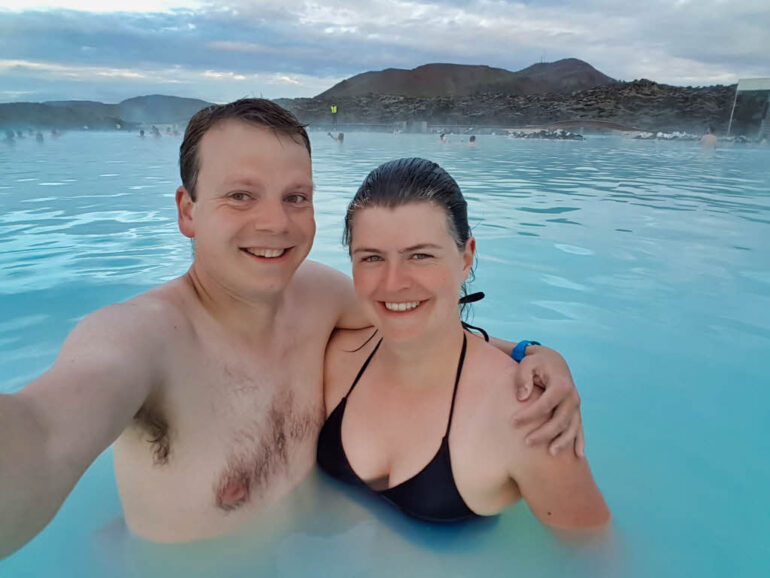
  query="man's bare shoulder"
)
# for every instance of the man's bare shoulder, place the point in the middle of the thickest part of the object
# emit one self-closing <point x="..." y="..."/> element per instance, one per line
<point x="170" y="301"/>
<point x="144" y="320"/>
<point x="321" y="278"/>
<point x="164" y="303"/>
<point x="331" y="294"/>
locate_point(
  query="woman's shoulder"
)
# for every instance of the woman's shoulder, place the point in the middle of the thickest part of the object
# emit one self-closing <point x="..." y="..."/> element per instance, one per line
<point x="491" y="379"/>
<point x="490" y="370"/>
<point x="347" y="344"/>
<point x="482" y="427"/>
<point x="560" y="490"/>
<point x="346" y="351"/>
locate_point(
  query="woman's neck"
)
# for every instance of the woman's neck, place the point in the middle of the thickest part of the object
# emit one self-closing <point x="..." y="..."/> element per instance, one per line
<point x="422" y="360"/>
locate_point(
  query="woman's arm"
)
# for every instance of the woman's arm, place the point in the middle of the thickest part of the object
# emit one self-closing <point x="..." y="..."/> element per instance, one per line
<point x="559" y="489"/>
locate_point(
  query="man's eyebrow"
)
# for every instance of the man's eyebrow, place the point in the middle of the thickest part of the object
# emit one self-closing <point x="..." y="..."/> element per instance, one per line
<point x="244" y="182"/>
<point x="304" y="185"/>
<point x="259" y="184"/>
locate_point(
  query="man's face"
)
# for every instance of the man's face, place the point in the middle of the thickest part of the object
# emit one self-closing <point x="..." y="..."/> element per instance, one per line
<point x="252" y="220"/>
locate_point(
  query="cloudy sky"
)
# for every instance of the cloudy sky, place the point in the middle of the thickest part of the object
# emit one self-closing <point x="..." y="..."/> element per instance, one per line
<point x="109" y="50"/>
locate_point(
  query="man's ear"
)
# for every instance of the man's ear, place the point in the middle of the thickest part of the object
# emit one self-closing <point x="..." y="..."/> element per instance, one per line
<point x="185" y="207"/>
<point x="470" y="251"/>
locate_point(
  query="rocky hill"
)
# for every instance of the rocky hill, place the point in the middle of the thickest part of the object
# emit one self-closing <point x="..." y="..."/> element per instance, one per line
<point x="59" y="115"/>
<point x="160" y="109"/>
<point x="77" y="114"/>
<point x="458" y="80"/>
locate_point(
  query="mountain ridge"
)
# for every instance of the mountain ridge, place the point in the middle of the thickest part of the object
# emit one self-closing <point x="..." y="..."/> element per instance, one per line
<point x="75" y="114"/>
<point x="469" y="95"/>
<point x="457" y="80"/>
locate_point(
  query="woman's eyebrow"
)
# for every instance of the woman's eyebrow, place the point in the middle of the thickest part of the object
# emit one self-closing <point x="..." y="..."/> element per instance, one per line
<point x="365" y="250"/>
<point x="420" y="247"/>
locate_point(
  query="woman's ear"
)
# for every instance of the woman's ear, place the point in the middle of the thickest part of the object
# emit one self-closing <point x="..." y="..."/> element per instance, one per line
<point x="468" y="254"/>
<point x="185" y="207"/>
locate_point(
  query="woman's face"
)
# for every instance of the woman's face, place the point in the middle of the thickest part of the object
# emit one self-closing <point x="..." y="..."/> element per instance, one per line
<point x="407" y="269"/>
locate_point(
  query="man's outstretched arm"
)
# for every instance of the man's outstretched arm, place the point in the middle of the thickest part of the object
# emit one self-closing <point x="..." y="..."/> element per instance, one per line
<point x="54" y="428"/>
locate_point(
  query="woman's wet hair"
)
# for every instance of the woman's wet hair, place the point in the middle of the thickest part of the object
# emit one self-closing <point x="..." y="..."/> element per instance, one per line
<point x="411" y="180"/>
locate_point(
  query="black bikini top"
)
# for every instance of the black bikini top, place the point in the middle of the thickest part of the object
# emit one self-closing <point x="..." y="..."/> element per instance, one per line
<point x="429" y="495"/>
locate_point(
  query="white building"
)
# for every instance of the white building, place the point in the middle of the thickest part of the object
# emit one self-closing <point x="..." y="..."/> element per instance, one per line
<point x="749" y="115"/>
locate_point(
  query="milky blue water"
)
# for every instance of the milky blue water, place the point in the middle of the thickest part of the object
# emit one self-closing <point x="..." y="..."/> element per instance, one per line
<point x="646" y="264"/>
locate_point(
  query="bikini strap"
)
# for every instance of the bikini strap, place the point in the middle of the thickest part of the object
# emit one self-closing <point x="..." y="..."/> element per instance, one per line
<point x="472" y="298"/>
<point x="457" y="382"/>
<point x="470" y="327"/>
<point x="363" y="367"/>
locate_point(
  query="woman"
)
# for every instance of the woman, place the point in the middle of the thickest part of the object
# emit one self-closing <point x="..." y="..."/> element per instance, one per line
<point x="391" y="396"/>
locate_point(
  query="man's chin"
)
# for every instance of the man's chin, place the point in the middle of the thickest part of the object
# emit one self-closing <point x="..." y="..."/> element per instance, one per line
<point x="268" y="286"/>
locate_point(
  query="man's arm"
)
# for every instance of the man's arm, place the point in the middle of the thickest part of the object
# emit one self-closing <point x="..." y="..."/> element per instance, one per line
<point x="545" y="368"/>
<point x="54" y="428"/>
<point x="341" y="297"/>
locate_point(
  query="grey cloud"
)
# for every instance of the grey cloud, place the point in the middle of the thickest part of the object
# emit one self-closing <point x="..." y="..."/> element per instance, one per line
<point x="678" y="42"/>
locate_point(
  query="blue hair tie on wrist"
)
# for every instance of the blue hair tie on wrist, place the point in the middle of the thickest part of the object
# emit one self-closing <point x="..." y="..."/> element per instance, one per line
<point x="520" y="350"/>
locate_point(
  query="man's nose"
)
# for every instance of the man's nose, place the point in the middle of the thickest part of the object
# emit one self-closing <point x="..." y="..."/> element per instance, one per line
<point x="271" y="216"/>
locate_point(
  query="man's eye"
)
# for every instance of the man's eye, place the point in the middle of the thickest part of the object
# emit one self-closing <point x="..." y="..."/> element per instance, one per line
<point x="239" y="196"/>
<point x="296" y="199"/>
<point x="419" y="256"/>
<point x="371" y="258"/>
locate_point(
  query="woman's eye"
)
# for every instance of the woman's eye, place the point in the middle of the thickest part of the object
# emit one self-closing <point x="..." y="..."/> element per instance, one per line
<point x="239" y="196"/>
<point x="419" y="256"/>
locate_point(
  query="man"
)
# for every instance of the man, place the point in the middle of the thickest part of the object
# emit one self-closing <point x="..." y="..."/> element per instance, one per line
<point x="709" y="140"/>
<point x="210" y="385"/>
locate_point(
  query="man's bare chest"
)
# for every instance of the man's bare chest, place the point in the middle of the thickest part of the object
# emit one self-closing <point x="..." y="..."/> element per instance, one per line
<point x="243" y="424"/>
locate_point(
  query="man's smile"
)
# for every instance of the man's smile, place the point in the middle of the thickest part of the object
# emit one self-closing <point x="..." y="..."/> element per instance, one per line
<point x="266" y="253"/>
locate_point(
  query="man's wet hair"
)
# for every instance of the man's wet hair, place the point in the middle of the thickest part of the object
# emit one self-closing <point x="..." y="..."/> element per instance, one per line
<point x="256" y="111"/>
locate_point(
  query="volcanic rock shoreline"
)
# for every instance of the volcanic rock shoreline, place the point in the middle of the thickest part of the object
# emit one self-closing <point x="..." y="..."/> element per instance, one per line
<point x="641" y="105"/>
